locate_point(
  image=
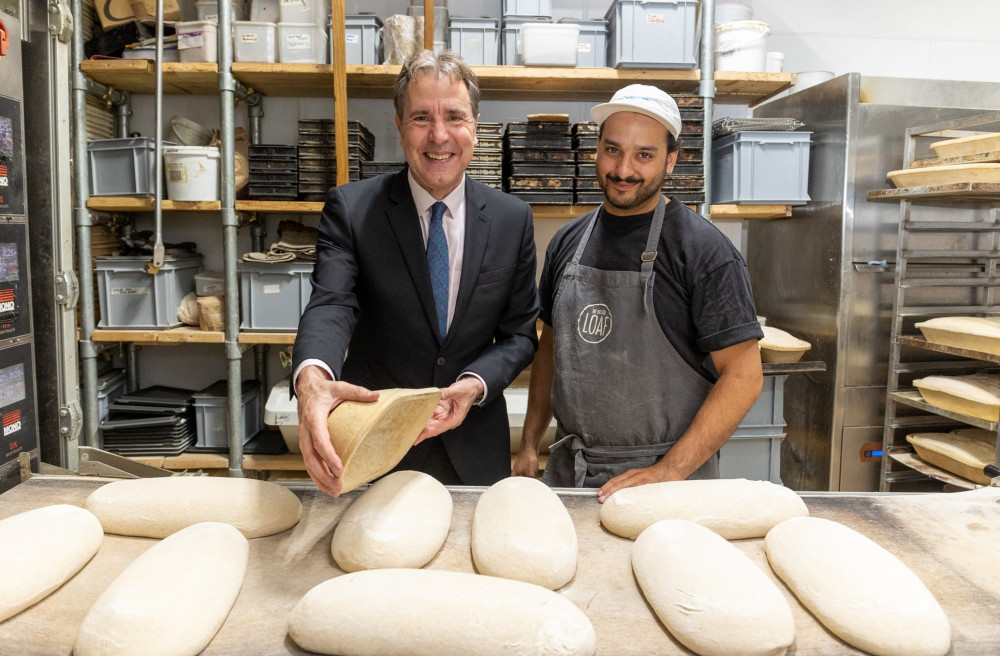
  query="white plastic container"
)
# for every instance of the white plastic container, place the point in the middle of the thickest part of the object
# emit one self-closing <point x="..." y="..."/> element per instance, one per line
<point x="301" y="43"/>
<point x="265" y="11"/>
<point x="192" y="172"/>
<point x="549" y="44"/>
<point x="741" y="46"/>
<point x="197" y="41"/>
<point x="727" y="11"/>
<point x="282" y="410"/>
<point x="208" y="10"/>
<point x="296" y="11"/>
<point x="774" y="62"/>
<point x="254" y="41"/>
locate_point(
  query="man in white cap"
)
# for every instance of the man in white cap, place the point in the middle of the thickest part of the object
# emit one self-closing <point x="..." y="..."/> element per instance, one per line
<point x="646" y="381"/>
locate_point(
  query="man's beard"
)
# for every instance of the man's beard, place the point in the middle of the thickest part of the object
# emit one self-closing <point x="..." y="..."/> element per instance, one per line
<point x="641" y="194"/>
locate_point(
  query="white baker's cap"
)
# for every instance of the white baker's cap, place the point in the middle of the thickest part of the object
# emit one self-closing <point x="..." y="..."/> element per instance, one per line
<point x="642" y="99"/>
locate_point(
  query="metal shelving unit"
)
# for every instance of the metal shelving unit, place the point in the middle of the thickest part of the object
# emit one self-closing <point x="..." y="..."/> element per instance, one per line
<point x="254" y="82"/>
<point x="947" y="264"/>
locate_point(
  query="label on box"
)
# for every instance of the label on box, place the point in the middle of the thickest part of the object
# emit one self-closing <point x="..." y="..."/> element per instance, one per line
<point x="351" y="38"/>
<point x="301" y="41"/>
<point x="654" y="18"/>
<point x="211" y="17"/>
<point x="272" y="289"/>
<point x="190" y="40"/>
<point x="128" y="291"/>
<point x="177" y="173"/>
<point x="293" y="3"/>
<point x="583" y="46"/>
<point x="248" y="38"/>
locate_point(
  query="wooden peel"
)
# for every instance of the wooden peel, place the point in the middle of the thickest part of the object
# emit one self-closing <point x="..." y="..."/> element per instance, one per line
<point x="371" y="438"/>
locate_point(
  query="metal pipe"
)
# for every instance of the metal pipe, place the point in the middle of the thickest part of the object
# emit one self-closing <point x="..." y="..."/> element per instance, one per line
<point x="706" y="89"/>
<point x="82" y="221"/>
<point x="123" y="113"/>
<point x="255" y="112"/>
<point x="230" y="229"/>
<point x="154" y="266"/>
<point x="132" y="366"/>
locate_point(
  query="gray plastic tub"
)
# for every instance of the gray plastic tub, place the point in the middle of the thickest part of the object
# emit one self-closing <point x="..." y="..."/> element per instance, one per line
<point x="363" y="40"/>
<point x="761" y="167"/>
<point x="652" y="34"/>
<point x="211" y="411"/>
<point x="122" y="167"/>
<point x="593" y="48"/>
<point x="132" y="298"/>
<point x="511" y="31"/>
<point x="475" y="39"/>
<point x="273" y="296"/>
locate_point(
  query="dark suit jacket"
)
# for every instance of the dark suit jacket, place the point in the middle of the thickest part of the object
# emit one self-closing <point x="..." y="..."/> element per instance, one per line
<point x="372" y="297"/>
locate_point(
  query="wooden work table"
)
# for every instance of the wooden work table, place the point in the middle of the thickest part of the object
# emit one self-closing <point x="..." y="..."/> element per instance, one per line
<point x="950" y="541"/>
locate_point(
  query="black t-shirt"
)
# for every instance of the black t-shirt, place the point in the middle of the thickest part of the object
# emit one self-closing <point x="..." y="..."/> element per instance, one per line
<point x="701" y="291"/>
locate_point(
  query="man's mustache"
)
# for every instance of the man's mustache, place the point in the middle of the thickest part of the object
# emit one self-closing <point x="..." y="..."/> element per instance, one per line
<point x="615" y="178"/>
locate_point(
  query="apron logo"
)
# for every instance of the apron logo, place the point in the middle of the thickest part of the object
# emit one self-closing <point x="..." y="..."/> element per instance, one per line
<point x="594" y="324"/>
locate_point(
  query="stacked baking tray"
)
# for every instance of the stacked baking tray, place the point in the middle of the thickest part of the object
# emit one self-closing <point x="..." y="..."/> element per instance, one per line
<point x="318" y="155"/>
<point x="687" y="181"/>
<point x="487" y="157"/>
<point x="539" y="162"/>
<point x="155" y="421"/>
<point x="274" y="172"/>
<point x="372" y="169"/>
<point x="586" y="189"/>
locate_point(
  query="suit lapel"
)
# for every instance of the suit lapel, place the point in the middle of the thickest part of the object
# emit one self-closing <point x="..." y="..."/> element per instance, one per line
<point x="402" y="216"/>
<point x="477" y="232"/>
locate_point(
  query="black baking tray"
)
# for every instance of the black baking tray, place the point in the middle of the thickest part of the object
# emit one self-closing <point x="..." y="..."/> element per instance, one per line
<point x="545" y="197"/>
<point x="272" y="151"/>
<point x="490" y="143"/>
<point x="587" y="184"/>
<point x="586" y="155"/>
<point x="688" y="101"/>
<point x="489" y="129"/>
<point x="585" y="127"/>
<point x="277" y="166"/>
<point x="589" y="197"/>
<point x="586" y="170"/>
<point x="542" y="168"/>
<point x="539" y="128"/>
<point x="273" y="191"/>
<point x="540" y="183"/>
<point x="585" y="142"/>
<point x="540" y="155"/>
<point x="272" y="177"/>
<point x="684" y="182"/>
<point x="564" y="142"/>
<point x="487" y="157"/>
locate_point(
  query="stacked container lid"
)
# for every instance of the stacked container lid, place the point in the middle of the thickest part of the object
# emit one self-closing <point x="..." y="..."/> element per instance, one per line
<point x="318" y="155"/>
<point x="540" y="164"/>
<point x="487" y="157"/>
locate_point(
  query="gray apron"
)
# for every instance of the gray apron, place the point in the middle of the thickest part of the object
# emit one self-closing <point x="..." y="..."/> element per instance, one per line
<point x="622" y="395"/>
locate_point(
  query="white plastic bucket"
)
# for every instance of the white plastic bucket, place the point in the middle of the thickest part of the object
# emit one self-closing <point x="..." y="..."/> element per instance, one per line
<point x="775" y="62"/>
<point x="729" y="11"/>
<point x="192" y="172"/>
<point x="807" y="79"/>
<point x="741" y="46"/>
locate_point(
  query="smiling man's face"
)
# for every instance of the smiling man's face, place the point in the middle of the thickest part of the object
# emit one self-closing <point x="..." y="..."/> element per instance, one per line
<point x="437" y="132"/>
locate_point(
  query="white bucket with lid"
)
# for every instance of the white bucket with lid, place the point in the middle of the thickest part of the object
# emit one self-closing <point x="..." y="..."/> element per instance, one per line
<point x="741" y="46"/>
<point x="727" y="11"/>
<point x="192" y="172"/>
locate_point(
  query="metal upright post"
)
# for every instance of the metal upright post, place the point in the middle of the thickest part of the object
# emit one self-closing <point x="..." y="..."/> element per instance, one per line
<point x="706" y="89"/>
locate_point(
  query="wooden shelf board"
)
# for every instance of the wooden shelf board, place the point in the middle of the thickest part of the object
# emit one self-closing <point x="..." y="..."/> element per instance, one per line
<point x="290" y="80"/>
<point x="920" y="342"/>
<point x="288" y="206"/>
<point x="180" y="335"/>
<point x="738" y="88"/>
<point x="139" y="76"/>
<point x="281" y="462"/>
<point x="750" y="211"/>
<point x="145" y="204"/>
<point x="266" y="338"/>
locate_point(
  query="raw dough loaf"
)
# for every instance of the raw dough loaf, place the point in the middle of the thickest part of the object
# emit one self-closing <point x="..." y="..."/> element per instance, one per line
<point x="963" y="455"/>
<point x="857" y="589"/>
<point x="709" y="594"/>
<point x="733" y="508"/>
<point x="400" y="521"/>
<point x="780" y="346"/>
<point x="42" y="549"/>
<point x="157" y="507"/>
<point x="172" y="599"/>
<point x="975" y="333"/>
<point x="521" y="530"/>
<point x="977" y="395"/>
<point x="422" y="612"/>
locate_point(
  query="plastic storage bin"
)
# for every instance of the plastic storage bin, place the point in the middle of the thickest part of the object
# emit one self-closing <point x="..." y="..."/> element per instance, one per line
<point x="761" y="167"/>
<point x="132" y="298"/>
<point x="592" y="49"/>
<point x="440" y="20"/>
<point x="255" y="41"/>
<point x="197" y="41"/>
<point x="282" y="411"/>
<point x="298" y="11"/>
<point x="208" y="10"/>
<point x="301" y="43"/>
<point x="767" y="415"/>
<point x="110" y="386"/>
<point x="527" y="8"/>
<point x="549" y="44"/>
<point x="122" y="167"/>
<point x="210" y="283"/>
<point x="511" y="34"/>
<point x="652" y="34"/>
<point x="273" y="296"/>
<point x="475" y="39"/>
<point x="192" y="172"/>
<point x="362" y="39"/>
<point x="265" y="11"/>
<point x="211" y="412"/>
<point x="752" y="455"/>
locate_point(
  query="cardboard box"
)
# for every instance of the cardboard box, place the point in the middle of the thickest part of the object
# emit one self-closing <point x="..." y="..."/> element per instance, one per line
<point x="118" y="12"/>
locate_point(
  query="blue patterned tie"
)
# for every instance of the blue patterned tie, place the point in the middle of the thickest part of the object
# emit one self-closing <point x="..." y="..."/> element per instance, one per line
<point x="437" y="262"/>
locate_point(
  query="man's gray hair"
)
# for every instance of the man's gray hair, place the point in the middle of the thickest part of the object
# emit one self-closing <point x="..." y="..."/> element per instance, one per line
<point x="442" y="64"/>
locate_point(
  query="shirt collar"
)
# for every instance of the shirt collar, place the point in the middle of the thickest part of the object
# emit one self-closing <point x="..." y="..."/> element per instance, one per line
<point x="423" y="200"/>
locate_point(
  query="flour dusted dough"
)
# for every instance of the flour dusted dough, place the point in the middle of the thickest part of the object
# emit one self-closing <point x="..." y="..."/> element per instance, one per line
<point x="521" y="530"/>
<point x="172" y="599"/>
<point x="157" y="507"/>
<point x="709" y="594"/>
<point x="400" y="521"/>
<point x="733" y="508"/>
<point x="42" y="549"/>
<point x="977" y="395"/>
<point x="422" y="612"/>
<point x="857" y="589"/>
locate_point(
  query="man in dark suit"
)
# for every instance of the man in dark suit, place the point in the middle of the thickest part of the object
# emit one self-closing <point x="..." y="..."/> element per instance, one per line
<point x="424" y="278"/>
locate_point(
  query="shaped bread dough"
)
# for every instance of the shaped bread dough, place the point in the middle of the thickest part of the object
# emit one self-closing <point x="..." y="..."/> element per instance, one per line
<point x="521" y="530"/>
<point x="157" y="507"/>
<point x="709" y="594"/>
<point x="780" y="346"/>
<point x="172" y="599"/>
<point x="965" y="455"/>
<point x="423" y="612"/>
<point x="857" y="589"/>
<point x="733" y="508"/>
<point x="977" y="395"/>
<point x="43" y="548"/>
<point x="975" y="333"/>
<point x="400" y="521"/>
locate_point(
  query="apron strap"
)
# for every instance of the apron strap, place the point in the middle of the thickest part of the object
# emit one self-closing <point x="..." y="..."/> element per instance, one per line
<point x="586" y="235"/>
<point x="581" y="453"/>
<point x="649" y="255"/>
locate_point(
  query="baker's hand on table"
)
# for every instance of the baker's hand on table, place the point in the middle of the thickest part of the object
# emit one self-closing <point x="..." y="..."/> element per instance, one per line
<point x="655" y="474"/>
<point x="317" y="395"/>
<point x="526" y="463"/>
<point x="456" y="399"/>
